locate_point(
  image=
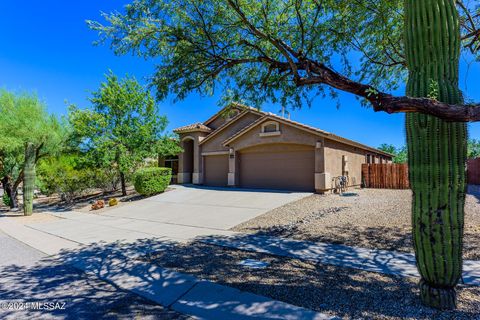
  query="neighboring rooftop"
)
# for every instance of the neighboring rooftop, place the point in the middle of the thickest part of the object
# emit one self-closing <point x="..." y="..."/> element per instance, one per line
<point x="196" y="127"/>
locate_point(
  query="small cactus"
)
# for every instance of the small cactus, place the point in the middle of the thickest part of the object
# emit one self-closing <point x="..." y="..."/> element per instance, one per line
<point x="112" y="202"/>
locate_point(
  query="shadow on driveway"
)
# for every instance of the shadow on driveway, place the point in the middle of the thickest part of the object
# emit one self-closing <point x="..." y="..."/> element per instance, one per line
<point x="335" y="290"/>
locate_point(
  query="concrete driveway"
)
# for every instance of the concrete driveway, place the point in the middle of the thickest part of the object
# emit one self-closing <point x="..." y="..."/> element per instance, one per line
<point x="180" y="215"/>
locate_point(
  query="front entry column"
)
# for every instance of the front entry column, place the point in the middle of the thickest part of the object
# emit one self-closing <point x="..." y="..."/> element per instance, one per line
<point x="232" y="166"/>
<point x="322" y="178"/>
<point x="197" y="176"/>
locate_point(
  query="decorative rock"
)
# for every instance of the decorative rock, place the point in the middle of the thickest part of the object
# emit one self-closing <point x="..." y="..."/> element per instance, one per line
<point x="99" y="204"/>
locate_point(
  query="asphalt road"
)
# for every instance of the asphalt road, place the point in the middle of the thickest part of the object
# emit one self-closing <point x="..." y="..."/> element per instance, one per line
<point x="14" y="252"/>
<point x="29" y="280"/>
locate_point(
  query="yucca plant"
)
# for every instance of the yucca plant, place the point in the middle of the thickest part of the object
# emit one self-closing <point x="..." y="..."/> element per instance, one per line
<point x="436" y="149"/>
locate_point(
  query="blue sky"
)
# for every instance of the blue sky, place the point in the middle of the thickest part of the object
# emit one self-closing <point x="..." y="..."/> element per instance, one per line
<point x="46" y="47"/>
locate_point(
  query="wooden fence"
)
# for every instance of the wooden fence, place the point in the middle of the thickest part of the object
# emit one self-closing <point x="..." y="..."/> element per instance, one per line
<point x="395" y="176"/>
<point x="385" y="176"/>
<point x="473" y="166"/>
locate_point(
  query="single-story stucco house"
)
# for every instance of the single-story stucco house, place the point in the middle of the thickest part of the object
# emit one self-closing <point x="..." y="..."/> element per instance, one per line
<point x="244" y="147"/>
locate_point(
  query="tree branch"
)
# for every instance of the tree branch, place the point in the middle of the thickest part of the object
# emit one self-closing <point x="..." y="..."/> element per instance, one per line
<point x="388" y="103"/>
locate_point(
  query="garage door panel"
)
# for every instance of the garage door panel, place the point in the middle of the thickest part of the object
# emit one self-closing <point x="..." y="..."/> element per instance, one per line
<point x="216" y="171"/>
<point x="284" y="168"/>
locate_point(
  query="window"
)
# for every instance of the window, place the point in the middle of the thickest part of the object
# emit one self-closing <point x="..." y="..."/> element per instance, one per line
<point x="270" y="128"/>
<point x="172" y="162"/>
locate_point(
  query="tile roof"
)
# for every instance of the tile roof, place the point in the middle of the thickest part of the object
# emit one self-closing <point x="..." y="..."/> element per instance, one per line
<point x="202" y="127"/>
<point x="269" y="115"/>
<point x="196" y="127"/>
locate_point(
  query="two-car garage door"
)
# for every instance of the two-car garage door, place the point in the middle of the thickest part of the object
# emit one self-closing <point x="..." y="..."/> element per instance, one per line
<point x="275" y="166"/>
<point x="278" y="166"/>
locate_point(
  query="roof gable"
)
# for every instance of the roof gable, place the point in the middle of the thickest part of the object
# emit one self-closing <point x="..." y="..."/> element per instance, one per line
<point x="228" y="124"/>
<point x="303" y="127"/>
<point x="224" y="111"/>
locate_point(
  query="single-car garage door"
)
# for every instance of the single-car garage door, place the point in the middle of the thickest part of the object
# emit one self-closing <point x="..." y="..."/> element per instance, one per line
<point x="216" y="171"/>
<point x="278" y="166"/>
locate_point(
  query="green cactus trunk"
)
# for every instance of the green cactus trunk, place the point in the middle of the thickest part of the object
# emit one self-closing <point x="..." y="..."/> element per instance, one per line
<point x="437" y="149"/>
<point x="29" y="178"/>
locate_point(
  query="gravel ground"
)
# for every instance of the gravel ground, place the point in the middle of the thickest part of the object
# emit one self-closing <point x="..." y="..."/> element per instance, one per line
<point x="370" y="218"/>
<point x="342" y="292"/>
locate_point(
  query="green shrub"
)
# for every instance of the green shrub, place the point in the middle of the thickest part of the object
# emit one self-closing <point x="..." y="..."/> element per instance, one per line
<point x="61" y="175"/>
<point x="6" y="199"/>
<point x="149" y="181"/>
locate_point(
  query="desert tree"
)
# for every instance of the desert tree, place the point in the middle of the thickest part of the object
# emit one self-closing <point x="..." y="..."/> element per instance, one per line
<point x="121" y="129"/>
<point x="28" y="133"/>
<point x="295" y="50"/>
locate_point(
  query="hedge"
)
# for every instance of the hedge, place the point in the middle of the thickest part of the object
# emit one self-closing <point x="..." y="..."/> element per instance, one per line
<point x="149" y="181"/>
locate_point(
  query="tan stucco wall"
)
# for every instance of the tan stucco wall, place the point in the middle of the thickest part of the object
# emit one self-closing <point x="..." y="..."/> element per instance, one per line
<point x="288" y="135"/>
<point x="215" y="144"/>
<point x="334" y="153"/>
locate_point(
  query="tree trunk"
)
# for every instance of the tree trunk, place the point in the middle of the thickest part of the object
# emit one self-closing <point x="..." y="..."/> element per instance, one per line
<point x="29" y="178"/>
<point x="436" y="149"/>
<point x="122" y="181"/>
<point x="10" y="191"/>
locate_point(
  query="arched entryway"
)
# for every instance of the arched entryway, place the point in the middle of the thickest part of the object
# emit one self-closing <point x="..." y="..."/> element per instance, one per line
<point x="187" y="159"/>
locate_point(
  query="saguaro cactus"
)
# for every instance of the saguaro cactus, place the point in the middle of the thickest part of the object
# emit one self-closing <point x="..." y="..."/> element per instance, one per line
<point x="29" y="178"/>
<point x="437" y="149"/>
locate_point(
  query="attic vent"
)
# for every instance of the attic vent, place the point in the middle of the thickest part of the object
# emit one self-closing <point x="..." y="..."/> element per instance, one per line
<point x="270" y="128"/>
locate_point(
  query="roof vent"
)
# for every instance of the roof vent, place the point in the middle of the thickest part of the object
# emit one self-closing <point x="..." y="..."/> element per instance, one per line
<point x="285" y="111"/>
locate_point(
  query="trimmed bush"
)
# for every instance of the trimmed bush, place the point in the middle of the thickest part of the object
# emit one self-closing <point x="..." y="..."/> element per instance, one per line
<point x="149" y="181"/>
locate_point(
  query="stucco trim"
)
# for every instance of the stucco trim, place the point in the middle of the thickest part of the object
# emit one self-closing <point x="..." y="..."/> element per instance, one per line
<point x="270" y="134"/>
<point x="188" y="138"/>
<point x="215" y="153"/>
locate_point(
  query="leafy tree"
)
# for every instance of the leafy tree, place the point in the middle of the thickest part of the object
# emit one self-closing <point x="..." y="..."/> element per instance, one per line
<point x="284" y="51"/>
<point x="389" y="148"/>
<point x="168" y="146"/>
<point x="28" y="134"/>
<point x="121" y="129"/>
<point x="473" y="149"/>
<point x="400" y="154"/>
